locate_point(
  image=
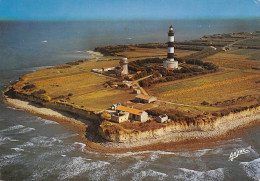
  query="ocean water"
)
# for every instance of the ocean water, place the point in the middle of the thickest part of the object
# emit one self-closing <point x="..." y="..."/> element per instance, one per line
<point x="32" y="148"/>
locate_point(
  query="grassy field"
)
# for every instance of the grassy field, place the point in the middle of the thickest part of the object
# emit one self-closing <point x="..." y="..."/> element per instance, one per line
<point x="234" y="59"/>
<point x="221" y="86"/>
<point x="79" y="86"/>
<point x="252" y="54"/>
<point x="136" y="52"/>
<point x="86" y="88"/>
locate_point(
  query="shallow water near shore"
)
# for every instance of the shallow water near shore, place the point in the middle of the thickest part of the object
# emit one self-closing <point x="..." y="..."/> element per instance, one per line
<point x="33" y="148"/>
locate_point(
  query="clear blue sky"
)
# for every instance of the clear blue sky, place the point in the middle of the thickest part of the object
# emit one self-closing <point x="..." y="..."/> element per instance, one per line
<point x="127" y="9"/>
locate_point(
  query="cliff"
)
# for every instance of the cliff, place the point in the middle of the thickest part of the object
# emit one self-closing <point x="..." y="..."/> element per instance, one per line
<point x="180" y="132"/>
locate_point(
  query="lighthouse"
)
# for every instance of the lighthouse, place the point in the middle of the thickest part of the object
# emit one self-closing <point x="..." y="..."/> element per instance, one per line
<point x="170" y="62"/>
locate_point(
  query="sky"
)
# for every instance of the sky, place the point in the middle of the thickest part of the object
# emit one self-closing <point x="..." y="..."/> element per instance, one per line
<point x="127" y="9"/>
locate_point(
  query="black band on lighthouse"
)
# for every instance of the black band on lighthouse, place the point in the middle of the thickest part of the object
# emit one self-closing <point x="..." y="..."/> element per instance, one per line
<point x="170" y="44"/>
<point x="170" y="55"/>
<point x="171" y="33"/>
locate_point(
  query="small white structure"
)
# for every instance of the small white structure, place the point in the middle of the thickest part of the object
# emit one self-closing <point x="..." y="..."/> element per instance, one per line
<point x="141" y="98"/>
<point x="170" y="62"/>
<point x="114" y="106"/>
<point x="108" y="68"/>
<point x="120" y="117"/>
<point x="124" y="66"/>
<point x="137" y="91"/>
<point x="162" y="118"/>
<point x="134" y="114"/>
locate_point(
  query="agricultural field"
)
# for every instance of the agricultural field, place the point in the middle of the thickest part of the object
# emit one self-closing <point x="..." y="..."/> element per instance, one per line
<point x="78" y="85"/>
<point x="253" y="54"/>
<point x="224" y="85"/>
<point x="237" y="59"/>
<point x="136" y="52"/>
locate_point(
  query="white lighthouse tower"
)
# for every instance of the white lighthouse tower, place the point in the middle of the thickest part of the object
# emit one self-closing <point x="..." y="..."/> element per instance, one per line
<point x="170" y="62"/>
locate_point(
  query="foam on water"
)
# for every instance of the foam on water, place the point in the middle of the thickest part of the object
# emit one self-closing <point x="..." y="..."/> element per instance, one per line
<point x="77" y="166"/>
<point x="196" y="153"/>
<point x="9" y="159"/>
<point x="9" y="107"/>
<point x="4" y="140"/>
<point x="66" y="135"/>
<point x="31" y="69"/>
<point x="12" y="128"/>
<point x="252" y="168"/>
<point x="139" y="164"/>
<point x="41" y="141"/>
<point x="149" y="173"/>
<point x="154" y="156"/>
<point x="17" y="149"/>
<point x="127" y="154"/>
<point x="193" y="175"/>
<point x="26" y="130"/>
<point x="46" y="121"/>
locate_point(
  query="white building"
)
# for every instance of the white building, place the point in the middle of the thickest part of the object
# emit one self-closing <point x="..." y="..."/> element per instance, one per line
<point x="120" y="117"/>
<point x="134" y="114"/>
<point x="162" y="118"/>
<point x="124" y="66"/>
<point x="141" y="98"/>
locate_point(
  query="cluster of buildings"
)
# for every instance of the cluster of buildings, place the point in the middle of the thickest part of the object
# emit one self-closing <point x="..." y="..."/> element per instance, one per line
<point x="168" y="64"/>
<point x="123" y="113"/>
<point x="121" y="70"/>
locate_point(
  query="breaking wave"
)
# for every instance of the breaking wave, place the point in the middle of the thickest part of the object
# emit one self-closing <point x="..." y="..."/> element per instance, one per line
<point x="46" y="121"/>
<point x="17" y="149"/>
<point x="149" y="173"/>
<point x="9" y="159"/>
<point x="26" y="130"/>
<point x="41" y="141"/>
<point x="192" y="175"/>
<point x="12" y="128"/>
<point x="77" y="166"/>
<point x="252" y="168"/>
<point x="4" y="140"/>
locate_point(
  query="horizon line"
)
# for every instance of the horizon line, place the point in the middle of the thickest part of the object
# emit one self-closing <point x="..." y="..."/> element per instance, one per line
<point x="128" y="19"/>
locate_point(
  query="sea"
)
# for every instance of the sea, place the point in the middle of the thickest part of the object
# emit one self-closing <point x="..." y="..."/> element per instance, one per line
<point x="33" y="148"/>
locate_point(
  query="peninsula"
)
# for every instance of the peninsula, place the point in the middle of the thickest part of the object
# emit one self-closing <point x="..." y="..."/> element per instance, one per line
<point x="148" y="96"/>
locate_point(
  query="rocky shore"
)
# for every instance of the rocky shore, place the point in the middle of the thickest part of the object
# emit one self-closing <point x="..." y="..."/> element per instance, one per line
<point x="162" y="139"/>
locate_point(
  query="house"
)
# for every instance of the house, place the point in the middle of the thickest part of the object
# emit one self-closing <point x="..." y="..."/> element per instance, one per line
<point x="134" y="114"/>
<point x="137" y="91"/>
<point x="162" y="118"/>
<point x="120" y="117"/>
<point x="114" y="106"/>
<point x="108" y="68"/>
<point x="141" y="98"/>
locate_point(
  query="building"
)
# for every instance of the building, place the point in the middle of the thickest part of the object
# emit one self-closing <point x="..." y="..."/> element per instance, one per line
<point x="114" y="106"/>
<point x="124" y="66"/>
<point x="134" y="114"/>
<point x="162" y="118"/>
<point x="120" y="117"/>
<point x="141" y="98"/>
<point x="137" y="91"/>
<point x="170" y="62"/>
<point x="108" y="68"/>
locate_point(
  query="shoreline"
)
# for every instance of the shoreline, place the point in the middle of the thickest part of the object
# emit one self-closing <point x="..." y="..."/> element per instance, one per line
<point x="176" y="141"/>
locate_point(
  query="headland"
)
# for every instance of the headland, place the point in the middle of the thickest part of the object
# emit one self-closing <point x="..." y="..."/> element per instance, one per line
<point x="148" y="102"/>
